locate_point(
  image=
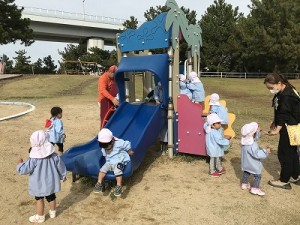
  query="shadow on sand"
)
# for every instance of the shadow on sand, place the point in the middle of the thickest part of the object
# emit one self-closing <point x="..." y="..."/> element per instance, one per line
<point x="83" y="187"/>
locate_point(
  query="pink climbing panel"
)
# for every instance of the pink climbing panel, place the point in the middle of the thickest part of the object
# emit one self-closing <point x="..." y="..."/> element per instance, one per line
<point x="191" y="135"/>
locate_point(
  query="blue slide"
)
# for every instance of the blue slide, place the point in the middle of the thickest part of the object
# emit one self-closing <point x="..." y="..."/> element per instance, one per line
<point x="138" y="123"/>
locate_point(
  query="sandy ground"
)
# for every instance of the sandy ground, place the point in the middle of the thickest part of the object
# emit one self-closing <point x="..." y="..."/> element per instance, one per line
<point x="161" y="191"/>
<point x="8" y="110"/>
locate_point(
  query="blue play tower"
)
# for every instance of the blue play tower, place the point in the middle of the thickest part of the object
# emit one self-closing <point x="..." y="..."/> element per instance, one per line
<point x="140" y="122"/>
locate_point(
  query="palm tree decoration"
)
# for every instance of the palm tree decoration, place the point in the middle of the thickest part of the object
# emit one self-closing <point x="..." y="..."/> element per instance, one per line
<point x="176" y="18"/>
<point x="195" y="38"/>
<point x="191" y="33"/>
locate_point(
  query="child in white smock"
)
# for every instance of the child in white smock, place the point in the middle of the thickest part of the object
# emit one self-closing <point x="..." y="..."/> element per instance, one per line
<point x="116" y="152"/>
<point x="196" y="87"/>
<point x="216" y="107"/>
<point x="45" y="169"/>
<point x="251" y="156"/>
<point x="183" y="86"/>
<point x="215" y="144"/>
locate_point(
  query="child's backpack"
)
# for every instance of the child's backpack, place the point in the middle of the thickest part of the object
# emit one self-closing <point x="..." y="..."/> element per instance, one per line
<point x="48" y="123"/>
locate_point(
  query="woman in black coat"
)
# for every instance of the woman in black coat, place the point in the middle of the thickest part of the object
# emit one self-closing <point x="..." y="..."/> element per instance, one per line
<point x="286" y="105"/>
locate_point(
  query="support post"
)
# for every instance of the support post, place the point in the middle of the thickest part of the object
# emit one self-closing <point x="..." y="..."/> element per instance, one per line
<point x="170" y="105"/>
<point x="95" y="42"/>
<point x="126" y="84"/>
<point x="190" y="64"/>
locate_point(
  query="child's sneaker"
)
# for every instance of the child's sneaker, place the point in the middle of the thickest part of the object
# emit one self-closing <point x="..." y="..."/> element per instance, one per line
<point x="257" y="191"/>
<point x="214" y="174"/>
<point x="98" y="188"/>
<point x="222" y="171"/>
<point x="52" y="213"/>
<point x="245" y="186"/>
<point x="37" y="218"/>
<point x="118" y="191"/>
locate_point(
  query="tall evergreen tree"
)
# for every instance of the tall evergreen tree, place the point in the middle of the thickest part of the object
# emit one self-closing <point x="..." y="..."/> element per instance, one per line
<point x="73" y="52"/>
<point x="49" y="66"/>
<point x="12" y="26"/>
<point x="131" y="23"/>
<point x="219" y="25"/>
<point x="22" y="63"/>
<point x="270" y="36"/>
<point x="38" y="66"/>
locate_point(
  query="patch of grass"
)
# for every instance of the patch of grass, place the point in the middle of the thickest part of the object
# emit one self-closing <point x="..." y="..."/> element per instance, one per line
<point x="45" y="86"/>
<point x="188" y="158"/>
<point x="112" y="197"/>
<point x="25" y="203"/>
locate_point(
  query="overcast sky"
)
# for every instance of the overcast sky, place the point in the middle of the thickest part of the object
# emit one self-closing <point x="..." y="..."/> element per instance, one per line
<point x="111" y="8"/>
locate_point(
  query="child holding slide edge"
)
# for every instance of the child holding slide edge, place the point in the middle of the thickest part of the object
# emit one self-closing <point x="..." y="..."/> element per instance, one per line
<point x="116" y="152"/>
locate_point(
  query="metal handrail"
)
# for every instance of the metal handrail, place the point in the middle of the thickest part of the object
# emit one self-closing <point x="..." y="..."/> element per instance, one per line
<point x="72" y="16"/>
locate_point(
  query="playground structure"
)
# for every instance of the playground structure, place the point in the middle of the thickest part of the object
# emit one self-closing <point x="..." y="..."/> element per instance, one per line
<point x="141" y="122"/>
<point x="80" y="67"/>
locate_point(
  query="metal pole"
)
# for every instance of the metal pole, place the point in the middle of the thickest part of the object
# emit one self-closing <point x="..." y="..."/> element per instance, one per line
<point x="190" y="67"/>
<point x="83" y="10"/>
<point x="170" y="105"/>
<point x="127" y="94"/>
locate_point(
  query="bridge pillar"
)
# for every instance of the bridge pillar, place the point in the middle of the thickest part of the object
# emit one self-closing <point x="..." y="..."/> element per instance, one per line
<point x="95" y="42"/>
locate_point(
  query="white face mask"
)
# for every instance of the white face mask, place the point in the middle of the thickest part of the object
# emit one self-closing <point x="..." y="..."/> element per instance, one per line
<point x="274" y="92"/>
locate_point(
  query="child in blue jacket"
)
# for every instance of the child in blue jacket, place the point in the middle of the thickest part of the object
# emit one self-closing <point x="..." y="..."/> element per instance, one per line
<point x="251" y="157"/>
<point x="183" y="86"/>
<point x="216" y="143"/>
<point x="216" y="107"/>
<point x="196" y="87"/>
<point x="116" y="152"/>
<point x="46" y="170"/>
<point x="56" y="129"/>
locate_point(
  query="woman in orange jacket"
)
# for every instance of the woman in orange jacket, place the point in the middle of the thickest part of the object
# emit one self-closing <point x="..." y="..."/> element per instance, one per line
<point x="107" y="91"/>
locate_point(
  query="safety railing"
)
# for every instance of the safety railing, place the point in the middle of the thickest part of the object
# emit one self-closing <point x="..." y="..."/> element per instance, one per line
<point x="71" y="16"/>
<point x="244" y="75"/>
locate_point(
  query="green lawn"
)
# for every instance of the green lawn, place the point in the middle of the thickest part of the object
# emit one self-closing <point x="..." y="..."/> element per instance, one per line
<point x="247" y="98"/>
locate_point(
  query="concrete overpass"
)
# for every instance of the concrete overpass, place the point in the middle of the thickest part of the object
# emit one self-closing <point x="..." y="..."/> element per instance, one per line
<point x="60" y="26"/>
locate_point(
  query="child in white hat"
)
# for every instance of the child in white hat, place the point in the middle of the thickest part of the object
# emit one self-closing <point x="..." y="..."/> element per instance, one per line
<point x="116" y="152"/>
<point x="216" y="143"/>
<point x="45" y="169"/>
<point x="183" y="86"/>
<point x="196" y="87"/>
<point x="251" y="157"/>
<point x="217" y="108"/>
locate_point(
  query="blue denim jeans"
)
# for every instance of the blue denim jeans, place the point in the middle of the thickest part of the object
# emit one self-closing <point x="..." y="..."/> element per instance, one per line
<point x="257" y="178"/>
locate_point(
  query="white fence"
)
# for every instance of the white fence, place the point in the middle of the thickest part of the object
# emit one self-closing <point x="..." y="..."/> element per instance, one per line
<point x="245" y="75"/>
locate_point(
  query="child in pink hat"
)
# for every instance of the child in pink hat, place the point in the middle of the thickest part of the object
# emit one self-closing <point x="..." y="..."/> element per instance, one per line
<point x="116" y="152"/>
<point x="216" y="143"/>
<point x="45" y="169"/>
<point x="251" y="157"/>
